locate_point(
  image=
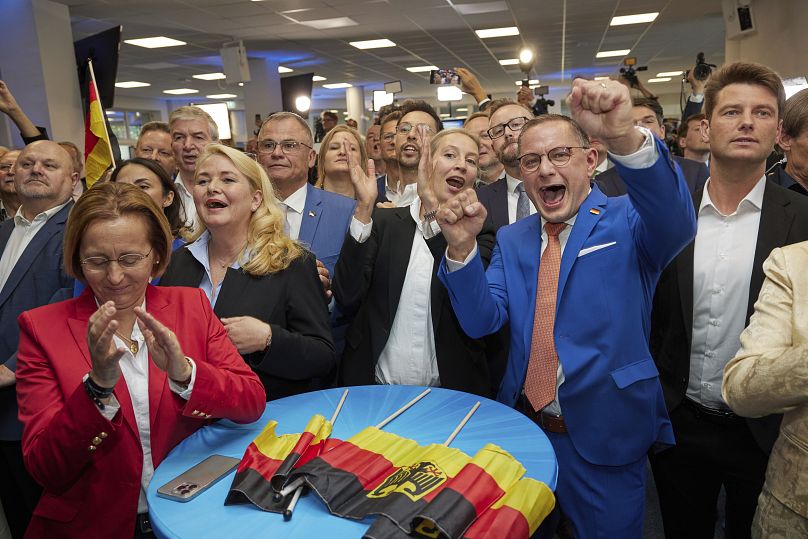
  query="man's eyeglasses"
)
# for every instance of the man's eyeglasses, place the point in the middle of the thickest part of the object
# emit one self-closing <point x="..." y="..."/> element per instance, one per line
<point x="514" y="124"/>
<point x="287" y="146"/>
<point x="125" y="261"/>
<point x="406" y="127"/>
<point x="530" y="162"/>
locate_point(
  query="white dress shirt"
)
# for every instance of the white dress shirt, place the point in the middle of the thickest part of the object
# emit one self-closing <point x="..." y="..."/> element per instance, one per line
<point x="404" y="197"/>
<point x="189" y="215"/>
<point x="513" y="198"/>
<point x="135" y="371"/>
<point x="199" y="250"/>
<point x="409" y="356"/>
<point x="294" y="205"/>
<point x="723" y="258"/>
<point x="24" y="231"/>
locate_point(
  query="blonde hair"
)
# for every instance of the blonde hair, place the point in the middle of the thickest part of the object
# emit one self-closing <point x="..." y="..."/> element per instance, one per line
<point x="342" y="128"/>
<point x="435" y="141"/>
<point x="269" y="247"/>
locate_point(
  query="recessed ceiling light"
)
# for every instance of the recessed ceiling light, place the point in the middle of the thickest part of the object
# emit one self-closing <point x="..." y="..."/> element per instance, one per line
<point x="509" y="62"/>
<point x="327" y="24"/>
<point x="318" y="78"/>
<point x="210" y="76"/>
<point x="669" y="74"/>
<point x="282" y="69"/>
<point x="449" y="93"/>
<point x="241" y="84"/>
<point x="444" y="115"/>
<point x="531" y="82"/>
<point x="131" y="84"/>
<point x="497" y="32"/>
<point x="421" y="69"/>
<point x="462" y="109"/>
<point x="221" y="96"/>
<point x="609" y="54"/>
<point x="634" y="19"/>
<point x="154" y="42"/>
<point x="372" y="44"/>
<point x="480" y="8"/>
<point x="337" y="85"/>
<point x="181" y="91"/>
<point x="661" y="79"/>
<point x="291" y="11"/>
<point x="601" y="78"/>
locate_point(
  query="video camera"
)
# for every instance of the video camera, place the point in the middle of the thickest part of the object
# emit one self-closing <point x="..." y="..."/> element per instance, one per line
<point x="629" y="72"/>
<point x="540" y="107"/>
<point x="702" y="69"/>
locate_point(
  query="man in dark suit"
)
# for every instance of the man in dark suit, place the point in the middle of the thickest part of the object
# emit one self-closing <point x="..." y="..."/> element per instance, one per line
<point x="648" y="113"/>
<point x="704" y="300"/>
<point x="388" y="183"/>
<point x="506" y="200"/>
<point x="31" y="271"/>
<point x="793" y="140"/>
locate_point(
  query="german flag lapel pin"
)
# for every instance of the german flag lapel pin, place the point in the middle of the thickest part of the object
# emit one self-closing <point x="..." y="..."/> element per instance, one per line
<point x="312" y="214"/>
<point x="594" y="211"/>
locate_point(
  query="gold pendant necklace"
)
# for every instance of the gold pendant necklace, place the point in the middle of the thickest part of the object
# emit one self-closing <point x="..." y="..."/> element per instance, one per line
<point x="131" y="344"/>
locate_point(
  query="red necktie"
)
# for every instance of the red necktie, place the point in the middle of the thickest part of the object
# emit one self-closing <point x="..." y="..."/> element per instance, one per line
<point x="542" y="368"/>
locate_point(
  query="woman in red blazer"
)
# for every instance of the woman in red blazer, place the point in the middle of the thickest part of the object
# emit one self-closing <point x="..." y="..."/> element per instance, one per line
<point x="109" y="382"/>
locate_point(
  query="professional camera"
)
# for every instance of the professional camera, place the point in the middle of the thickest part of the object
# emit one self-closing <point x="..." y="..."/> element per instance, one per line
<point x="702" y="70"/>
<point x="540" y="107"/>
<point x="629" y="72"/>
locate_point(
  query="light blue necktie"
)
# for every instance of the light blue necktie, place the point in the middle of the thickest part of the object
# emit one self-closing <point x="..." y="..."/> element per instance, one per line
<point x="523" y="204"/>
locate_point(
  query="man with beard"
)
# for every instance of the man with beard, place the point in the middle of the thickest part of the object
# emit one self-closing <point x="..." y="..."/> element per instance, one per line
<point x="408" y="149"/>
<point x="31" y="271"/>
<point x="505" y="199"/>
<point x="192" y="129"/>
<point x="8" y="192"/>
<point x="489" y="166"/>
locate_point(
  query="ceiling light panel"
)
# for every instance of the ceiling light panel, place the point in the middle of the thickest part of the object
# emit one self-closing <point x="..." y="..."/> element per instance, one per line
<point x="421" y="69"/>
<point x="155" y="42"/>
<point x="611" y="54"/>
<point x="337" y="85"/>
<point x="634" y="19"/>
<point x="210" y="76"/>
<point x="497" y="32"/>
<point x="131" y="84"/>
<point x="181" y="91"/>
<point x="372" y="44"/>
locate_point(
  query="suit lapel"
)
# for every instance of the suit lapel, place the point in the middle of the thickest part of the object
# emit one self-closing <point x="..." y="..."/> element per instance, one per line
<point x="157" y="306"/>
<point x="529" y="252"/>
<point x="683" y="264"/>
<point x="38" y="242"/>
<point x="5" y="233"/>
<point x="232" y="293"/>
<point x="437" y="291"/>
<point x="584" y="223"/>
<point x="400" y="238"/>
<point x="499" y="205"/>
<point x="312" y="211"/>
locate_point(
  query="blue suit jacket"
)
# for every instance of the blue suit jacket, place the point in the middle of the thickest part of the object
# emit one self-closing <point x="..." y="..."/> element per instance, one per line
<point x="326" y="218"/>
<point x="611" y="398"/>
<point x="38" y="274"/>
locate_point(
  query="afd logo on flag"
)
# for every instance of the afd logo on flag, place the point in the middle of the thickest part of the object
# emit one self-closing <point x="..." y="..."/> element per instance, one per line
<point x="414" y="481"/>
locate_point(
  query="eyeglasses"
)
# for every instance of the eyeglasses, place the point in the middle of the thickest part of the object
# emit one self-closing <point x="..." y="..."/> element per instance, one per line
<point x="514" y="124"/>
<point x="530" y="162"/>
<point x="406" y="127"/>
<point x="287" y="146"/>
<point x="125" y="261"/>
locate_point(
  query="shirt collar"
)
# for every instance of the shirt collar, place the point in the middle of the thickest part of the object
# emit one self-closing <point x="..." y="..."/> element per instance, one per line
<point x="753" y="197"/>
<point x="199" y="250"/>
<point x="181" y="186"/>
<point x="19" y="218"/>
<point x="297" y="200"/>
<point x="513" y="183"/>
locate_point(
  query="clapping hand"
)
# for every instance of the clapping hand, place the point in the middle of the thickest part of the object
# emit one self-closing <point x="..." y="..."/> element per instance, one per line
<point x="164" y="348"/>
<point x="426" y="192"/>
<point x="104" y="355"/>
<point x="365" y="186"/>
<point x="461" y="218"/>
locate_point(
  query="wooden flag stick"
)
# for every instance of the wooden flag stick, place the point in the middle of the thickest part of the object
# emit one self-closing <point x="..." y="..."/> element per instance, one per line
<point x="402" y="409"/>
<point x="462" y="424"/>
<point x="339" y="406"/>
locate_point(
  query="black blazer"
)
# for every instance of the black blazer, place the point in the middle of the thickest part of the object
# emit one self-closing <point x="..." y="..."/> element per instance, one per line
<point x="494" y="197"/>
<point x="369" y="277"/>
<point x="783" y="220"/>
<point x="290" y="301"/>
<point x="695" y="173"/>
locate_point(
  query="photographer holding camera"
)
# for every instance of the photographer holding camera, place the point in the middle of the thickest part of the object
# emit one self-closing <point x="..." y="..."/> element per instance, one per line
<point x="697" y="78"/>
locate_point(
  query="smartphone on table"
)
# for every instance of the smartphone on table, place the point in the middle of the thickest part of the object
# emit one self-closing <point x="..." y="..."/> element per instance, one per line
<point x="197" y="479"/>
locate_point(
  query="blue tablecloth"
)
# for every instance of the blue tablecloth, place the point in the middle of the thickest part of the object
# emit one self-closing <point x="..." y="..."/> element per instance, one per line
<point x="431" y="420"/>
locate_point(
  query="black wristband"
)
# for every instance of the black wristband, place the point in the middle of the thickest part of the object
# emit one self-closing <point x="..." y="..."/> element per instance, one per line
<point x="96" y="392"/>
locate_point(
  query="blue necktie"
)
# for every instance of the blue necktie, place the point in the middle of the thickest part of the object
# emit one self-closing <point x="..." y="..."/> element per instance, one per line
<point x="523" y="204"/>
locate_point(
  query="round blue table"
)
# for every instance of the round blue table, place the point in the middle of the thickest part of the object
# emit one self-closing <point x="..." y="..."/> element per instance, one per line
<point x="431" y="420"/>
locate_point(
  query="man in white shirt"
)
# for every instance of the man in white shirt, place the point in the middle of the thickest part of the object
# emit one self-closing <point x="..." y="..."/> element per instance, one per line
<point x="31" y="271"/>
<point x="704" y="300"/>
<point x="191" y="130"/>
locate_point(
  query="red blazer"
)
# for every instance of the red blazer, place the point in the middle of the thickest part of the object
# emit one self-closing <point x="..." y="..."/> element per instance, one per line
<point x="91" y="489"/>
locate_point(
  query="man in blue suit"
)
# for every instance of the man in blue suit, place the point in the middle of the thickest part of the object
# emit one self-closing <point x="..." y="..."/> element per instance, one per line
<point x="579" y="364"/>
<point x="31" y="271"/>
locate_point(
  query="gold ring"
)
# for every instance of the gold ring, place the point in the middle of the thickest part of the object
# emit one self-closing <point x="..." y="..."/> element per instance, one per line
<point x="603" y="85"/>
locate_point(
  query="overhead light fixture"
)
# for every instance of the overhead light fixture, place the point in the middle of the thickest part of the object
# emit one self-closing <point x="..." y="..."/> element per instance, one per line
<point x="181" y="91"/>
<point x="531" y="82"/>
<point x="372" y="44"/>
<point x="241" y="84"/>
<point x="210" y="76"/>
<point x="660" y="79"/>
<point x="449" y="93"/>
<point x="497" y="32"/>
<point x="421" y="69"/>
<point x="634" y="19"/>
<point x="328" y="24"/>
<point x="509" y="62"/>
<point x="445" y="115"/>
<point x="154" y="42"/>
<point x="381" y="99"/>
<point x="602" y="78"/>
<point x="221" y="96"/>
<point x="303" y="103"/>
<point x="131" y="84"/>
<point x="282" y="69"/>
<point x="318" y="78"/>
<point x="610" y="54"/>
<point x="669" y="74"/>
<point x="337" y="85"/>
<point x="462" y="109"/>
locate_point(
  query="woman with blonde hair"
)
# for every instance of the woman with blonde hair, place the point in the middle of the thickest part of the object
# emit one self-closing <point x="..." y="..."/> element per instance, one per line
<point x="333" y="173"/>
<point x="262" y="284"/>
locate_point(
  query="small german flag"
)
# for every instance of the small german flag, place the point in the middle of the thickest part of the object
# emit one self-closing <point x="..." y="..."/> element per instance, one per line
<point x="594" y="211"/>
<point x="97" y="147"/>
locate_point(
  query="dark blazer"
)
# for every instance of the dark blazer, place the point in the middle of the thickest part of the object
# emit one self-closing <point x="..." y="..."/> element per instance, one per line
<point x="381" y="185"/>
<point x="370" y="276"/>
<point x="695" y="173"/>
<point x="290" y="301"/>
<point x="783" y="220"/>
<point x="38" y="274"/>
<point x="494" y="197"/>
<point x="782" y="178"/>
